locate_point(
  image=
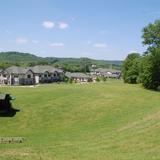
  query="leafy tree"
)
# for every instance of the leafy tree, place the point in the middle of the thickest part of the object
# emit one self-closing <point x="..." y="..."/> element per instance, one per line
<point x="130" y="68"/>
<point x="104" y="79"/>
<point x="65" y="79"/>
<point x="151" y="34"/>
<point x="97" y="79"/>
<point x="150" y="70"/>
<point x="70" y="80"/>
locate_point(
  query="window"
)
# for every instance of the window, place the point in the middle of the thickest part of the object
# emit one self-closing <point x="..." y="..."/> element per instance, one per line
<point x="29" y="76"/>
<point x="15" y="76"/>
<point x="55" y="75"/>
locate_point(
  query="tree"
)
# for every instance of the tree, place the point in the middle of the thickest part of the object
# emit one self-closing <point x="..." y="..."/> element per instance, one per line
<point x="130" y="68"/>
<point x="151" y="35"/>
<point x="150" y="70"/>
<point x="97" y="79"/>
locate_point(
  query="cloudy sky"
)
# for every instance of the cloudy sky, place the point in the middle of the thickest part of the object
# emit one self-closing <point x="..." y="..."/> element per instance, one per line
<point x="99" y="29"/>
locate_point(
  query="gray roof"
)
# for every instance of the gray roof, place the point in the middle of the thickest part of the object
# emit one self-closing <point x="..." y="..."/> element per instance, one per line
<point x="16" y="70"/>
<point x="113" y="75"/>
<point x="103" y="70"/>
<point x="42" y="69"/>
<point x="35" y="69"/>
<point x="76" y="75"/>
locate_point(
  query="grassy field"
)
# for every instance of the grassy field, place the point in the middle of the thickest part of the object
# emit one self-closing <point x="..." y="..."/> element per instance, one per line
<point x="112" y="121"/>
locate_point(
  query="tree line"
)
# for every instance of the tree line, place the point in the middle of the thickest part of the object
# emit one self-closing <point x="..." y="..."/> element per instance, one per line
<point x="12" y="58"/>
<point x="145" y="68"/>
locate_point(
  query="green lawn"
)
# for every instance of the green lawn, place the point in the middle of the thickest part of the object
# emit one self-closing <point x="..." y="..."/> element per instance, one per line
<point x="111" y="120"/>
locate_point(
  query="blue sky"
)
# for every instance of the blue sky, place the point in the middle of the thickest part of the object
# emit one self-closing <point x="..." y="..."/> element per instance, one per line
<point x="99" y="29"/>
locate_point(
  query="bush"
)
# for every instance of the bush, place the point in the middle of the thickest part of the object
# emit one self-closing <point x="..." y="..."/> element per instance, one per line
<point x="130" y="68"/>
<point x="104" y="79"/>
<point x="97" y="79"/>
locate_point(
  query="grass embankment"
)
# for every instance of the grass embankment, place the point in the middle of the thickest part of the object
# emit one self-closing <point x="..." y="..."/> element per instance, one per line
<point x="111" y="120"/>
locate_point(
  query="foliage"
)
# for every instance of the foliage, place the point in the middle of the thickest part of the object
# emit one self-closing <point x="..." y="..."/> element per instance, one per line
<point x="130" y="68"/>
<point x="68" y="64"/>
<point x="150" y="70"/>
<point x="145" y="70"/>
<point x="65" y="79"/>
<point x="104" y="79"/>
<point x="151" y="34"/>
<point x="70" y="80"/>
<point x="97" y="79"/>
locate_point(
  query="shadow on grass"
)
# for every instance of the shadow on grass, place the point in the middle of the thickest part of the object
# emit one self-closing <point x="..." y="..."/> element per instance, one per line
<point x="9" y="113"/>
<point x="6" y="109"/>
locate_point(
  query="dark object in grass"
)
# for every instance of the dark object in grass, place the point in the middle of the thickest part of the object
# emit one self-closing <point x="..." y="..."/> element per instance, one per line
<point x="6" y="109"/>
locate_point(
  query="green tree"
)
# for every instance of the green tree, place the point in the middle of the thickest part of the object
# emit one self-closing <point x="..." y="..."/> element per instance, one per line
<point x="151" y="35"/>
<point x="150" y="70"/>
<point x="104" y="79"/>
<point x="130" y="68"/>
<point x="97" y="79"/>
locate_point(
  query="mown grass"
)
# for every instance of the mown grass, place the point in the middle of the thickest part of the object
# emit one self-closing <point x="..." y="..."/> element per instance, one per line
<point x="111" y="120"/>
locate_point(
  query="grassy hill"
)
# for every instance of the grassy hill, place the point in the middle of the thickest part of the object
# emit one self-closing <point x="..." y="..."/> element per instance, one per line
<point x="18" y="57"/>
<point x="111" y="120"/>
<point x="26" y="59"/>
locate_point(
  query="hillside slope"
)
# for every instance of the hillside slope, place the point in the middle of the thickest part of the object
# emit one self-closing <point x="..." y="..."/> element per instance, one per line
<point x="16" y="57"/>
<point x="26" y="59"/>
<point x="109" y="120"/>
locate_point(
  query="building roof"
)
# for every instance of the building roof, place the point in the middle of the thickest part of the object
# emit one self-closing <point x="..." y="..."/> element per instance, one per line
<point x="104" y="70"/>
<point x="16" y="70"/>
<point x="42" y="69"/>
<point x="76" y="75"/>
<point x="35" y="69"/>
<point x="112" y="75"/>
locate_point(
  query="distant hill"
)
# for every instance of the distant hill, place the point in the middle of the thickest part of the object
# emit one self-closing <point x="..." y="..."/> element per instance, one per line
<point x="71" y="64"/>
<point x="15" y="57"/>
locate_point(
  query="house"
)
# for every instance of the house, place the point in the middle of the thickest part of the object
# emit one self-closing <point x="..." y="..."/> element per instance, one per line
<point x="19" y="76"/>
<point x="47" y="74"/>
<point x="108" y="73"/>
<point x="1" y="76"/>
<point x="29" y="76"/>
<point x="78" y="77"/>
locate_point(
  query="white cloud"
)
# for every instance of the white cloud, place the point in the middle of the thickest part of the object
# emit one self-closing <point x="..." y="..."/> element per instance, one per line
<point x="48" y="24"/>
<point x="35" y="41"/>
<point x="100" y="45"/>
<point x="63" y="25"/>
<point x="57" y="44"/>
<point x="21" y="40"/>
